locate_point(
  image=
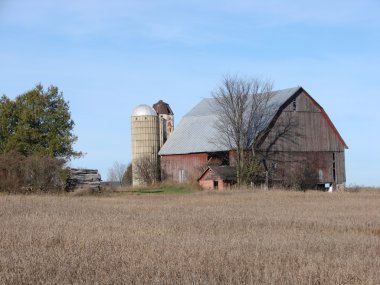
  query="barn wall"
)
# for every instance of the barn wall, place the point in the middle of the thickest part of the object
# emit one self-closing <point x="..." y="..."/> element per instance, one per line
<point x="290" y="166"/>
<point x="313" y="131"/>
<point x="303" y="104"/>
<point x="206" y="184"/>
<point x="209" y="184"/>
<point x="341" y="167"/>
<point x="313" y="143"/>
<point x="185" y="167"/>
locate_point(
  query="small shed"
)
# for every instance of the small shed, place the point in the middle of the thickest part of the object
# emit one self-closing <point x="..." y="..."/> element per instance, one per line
<point x="218" y="177"/>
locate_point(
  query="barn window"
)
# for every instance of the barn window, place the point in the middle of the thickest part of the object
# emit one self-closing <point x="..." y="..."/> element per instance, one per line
<point x="294" y="105"/>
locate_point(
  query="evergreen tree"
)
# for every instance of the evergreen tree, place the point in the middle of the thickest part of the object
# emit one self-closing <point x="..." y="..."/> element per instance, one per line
<point x="37" y="122"/>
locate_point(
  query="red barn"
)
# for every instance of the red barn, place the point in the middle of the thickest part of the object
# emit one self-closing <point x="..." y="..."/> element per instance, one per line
<point x="318" y="148"/>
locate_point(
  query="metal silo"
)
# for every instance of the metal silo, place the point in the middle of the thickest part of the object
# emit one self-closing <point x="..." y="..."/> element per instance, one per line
<point x="145" y="145"/>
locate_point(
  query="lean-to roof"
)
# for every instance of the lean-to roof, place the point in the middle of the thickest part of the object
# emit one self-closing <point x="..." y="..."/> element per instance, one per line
<point x="224" y="172"/>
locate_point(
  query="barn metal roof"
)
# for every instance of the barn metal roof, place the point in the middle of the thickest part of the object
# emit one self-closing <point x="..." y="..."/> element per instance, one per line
<point x="196" y="132"/>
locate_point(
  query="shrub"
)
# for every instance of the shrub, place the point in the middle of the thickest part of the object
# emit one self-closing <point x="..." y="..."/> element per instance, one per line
<point x="10" y="172"/>
<point x="21" y="174"/>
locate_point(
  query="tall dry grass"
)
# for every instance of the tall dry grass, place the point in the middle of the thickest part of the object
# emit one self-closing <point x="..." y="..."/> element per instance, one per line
<point x="200" y="238"/>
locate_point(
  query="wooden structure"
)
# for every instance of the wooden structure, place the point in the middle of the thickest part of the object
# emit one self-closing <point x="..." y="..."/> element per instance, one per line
<point x="83" y="178"/>
<point x="218" y="177"/>
<point x="316" y="149"/>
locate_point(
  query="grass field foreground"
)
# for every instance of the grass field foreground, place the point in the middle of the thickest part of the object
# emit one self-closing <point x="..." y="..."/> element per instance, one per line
<point x="274" y="237"/>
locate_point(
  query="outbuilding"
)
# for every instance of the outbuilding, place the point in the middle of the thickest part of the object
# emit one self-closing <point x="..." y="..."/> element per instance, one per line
<point x="218" y="177"/>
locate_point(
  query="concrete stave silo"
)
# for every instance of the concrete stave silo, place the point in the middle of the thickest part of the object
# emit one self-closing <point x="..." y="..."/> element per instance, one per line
<point x="145" y="131"/>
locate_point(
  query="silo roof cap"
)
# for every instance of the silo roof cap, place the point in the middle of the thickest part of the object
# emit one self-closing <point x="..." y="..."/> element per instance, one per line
<point x="143" y="110"/>
<point x="162" y="107"/>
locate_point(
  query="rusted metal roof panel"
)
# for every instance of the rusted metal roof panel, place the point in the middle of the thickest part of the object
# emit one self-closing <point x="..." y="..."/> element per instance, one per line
<point x="196" y="132"/>
<point x="162" y="107"/>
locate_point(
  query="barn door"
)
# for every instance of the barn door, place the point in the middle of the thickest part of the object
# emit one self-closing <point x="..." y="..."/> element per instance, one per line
<point x="181" y="176"/>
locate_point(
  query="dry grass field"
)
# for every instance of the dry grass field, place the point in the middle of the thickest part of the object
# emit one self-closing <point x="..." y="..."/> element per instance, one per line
<point x="275" y="237"/>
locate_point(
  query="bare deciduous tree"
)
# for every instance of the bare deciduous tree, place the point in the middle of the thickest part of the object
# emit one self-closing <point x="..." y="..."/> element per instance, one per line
<point x="280" y="128"/>
<point x="145" y="168"/>
<point x="116" y="172"/>
<point x="245" y="115"/>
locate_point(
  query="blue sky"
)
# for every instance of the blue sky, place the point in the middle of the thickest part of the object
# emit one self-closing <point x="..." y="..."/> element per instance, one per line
<point x="109" y="56"/>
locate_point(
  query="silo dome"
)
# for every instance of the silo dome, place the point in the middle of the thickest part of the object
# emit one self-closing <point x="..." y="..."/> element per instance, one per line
<point x="143" y="110"/>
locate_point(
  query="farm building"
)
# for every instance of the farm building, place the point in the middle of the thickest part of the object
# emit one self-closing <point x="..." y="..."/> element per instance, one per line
<point x="218" y="177"/>
<point x="151" y="126"/>
<point x="191" y="152"/>
<point x="316" y="149"/>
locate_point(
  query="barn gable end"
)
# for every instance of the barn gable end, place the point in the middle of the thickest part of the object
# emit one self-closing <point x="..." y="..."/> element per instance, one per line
<point x="316" y="146"/>
<point x="314" y="132"/>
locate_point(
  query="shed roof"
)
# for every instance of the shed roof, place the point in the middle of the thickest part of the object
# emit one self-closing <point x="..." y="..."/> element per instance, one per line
<point x="196" y="132"/>
<point x="224" y="172"/>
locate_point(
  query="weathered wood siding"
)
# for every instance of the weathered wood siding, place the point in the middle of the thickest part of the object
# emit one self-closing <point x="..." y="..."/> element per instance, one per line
<point x="341" y="166"/>
<point x="314" y="141"/>
<point x="184" y="167"/>
<point x="289" y="166"/>
<point x="314" y="132"/>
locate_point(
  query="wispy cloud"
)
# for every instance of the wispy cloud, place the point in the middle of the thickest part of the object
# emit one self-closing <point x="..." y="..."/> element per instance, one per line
<point x="321" y="12"/>
<point x="183" y="21"/>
